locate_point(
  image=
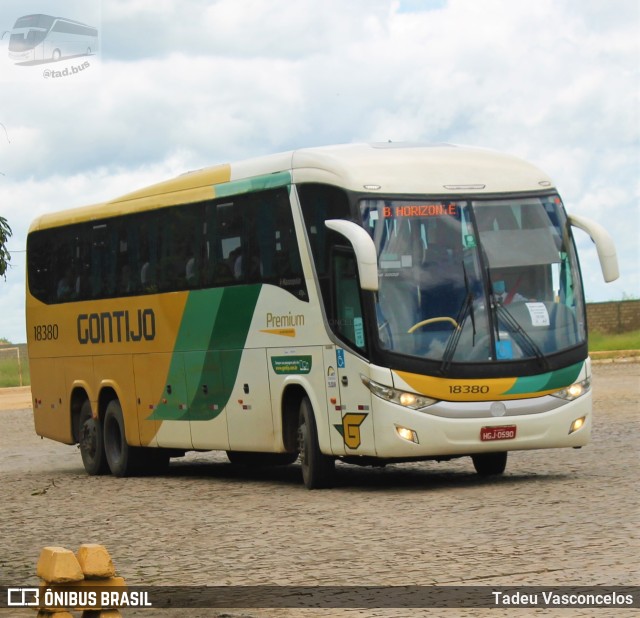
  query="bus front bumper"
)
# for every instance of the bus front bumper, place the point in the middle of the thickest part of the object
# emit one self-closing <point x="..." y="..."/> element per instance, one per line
<point x="405" y="433"/>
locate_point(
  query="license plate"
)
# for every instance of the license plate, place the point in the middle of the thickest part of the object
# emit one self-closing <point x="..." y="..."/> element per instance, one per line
<point x="500" y="432"/>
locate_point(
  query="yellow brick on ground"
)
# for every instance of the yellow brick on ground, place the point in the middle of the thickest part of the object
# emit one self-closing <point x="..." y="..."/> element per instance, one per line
<point x="58" y="565"/>
<point x="43" y="613"/>
<point x="104" y="613"/>
<point x="95" y="561"/>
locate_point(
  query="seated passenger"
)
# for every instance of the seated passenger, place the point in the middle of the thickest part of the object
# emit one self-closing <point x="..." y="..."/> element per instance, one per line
<point x="65" y="286"/>
<point x="504" y="297"/>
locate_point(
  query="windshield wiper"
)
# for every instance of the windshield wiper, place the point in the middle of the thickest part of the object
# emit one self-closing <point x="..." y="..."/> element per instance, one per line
<point x="528" y="345"/>
<point x="465" y="311"/>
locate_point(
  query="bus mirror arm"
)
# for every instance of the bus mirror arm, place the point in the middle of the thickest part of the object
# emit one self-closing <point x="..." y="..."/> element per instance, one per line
<point x="364" y="249"/>
<point x="604" y="245"/>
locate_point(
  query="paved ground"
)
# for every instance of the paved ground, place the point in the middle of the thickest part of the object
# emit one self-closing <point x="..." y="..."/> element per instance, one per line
<point x="555" y="517"/>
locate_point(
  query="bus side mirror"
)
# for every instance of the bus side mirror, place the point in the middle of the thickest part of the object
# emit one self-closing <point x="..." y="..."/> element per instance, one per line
<point x="364" y="249"/>
<point x="604" y="245"/>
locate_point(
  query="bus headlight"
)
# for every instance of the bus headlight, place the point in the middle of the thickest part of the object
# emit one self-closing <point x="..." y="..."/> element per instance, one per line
<point x="403" y="398"/>
<point x="577" y="389"/>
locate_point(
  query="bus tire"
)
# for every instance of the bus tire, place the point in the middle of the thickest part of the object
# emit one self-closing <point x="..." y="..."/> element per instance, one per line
<point x="123" y="460"/>
<point x="317" y="469"/>
<point x="248" y="458"/>
<point x="91" y="443"/>
<point x="56" y="55"/>
<point x="490" y="464"/>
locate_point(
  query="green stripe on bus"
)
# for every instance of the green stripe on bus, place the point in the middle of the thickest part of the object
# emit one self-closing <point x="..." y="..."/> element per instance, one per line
<point x="208" y="350"/>
<point x="553" y="380"/>
<point x="257" y="183"/>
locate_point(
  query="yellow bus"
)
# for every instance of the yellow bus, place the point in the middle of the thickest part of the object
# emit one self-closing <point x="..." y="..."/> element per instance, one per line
<point x="368" y="303"/>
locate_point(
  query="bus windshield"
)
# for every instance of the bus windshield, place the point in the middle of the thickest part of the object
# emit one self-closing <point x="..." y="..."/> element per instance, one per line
<point x="24" y="41"/>
<point x="475" y="280"/>
<point x="29" y="31"/>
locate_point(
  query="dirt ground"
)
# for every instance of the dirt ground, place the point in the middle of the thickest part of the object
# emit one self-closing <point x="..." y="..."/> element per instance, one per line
<point x="17" y="398"/>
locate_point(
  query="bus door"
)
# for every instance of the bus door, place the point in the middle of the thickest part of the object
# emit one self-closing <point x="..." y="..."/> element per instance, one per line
<point x="354" y="422"/>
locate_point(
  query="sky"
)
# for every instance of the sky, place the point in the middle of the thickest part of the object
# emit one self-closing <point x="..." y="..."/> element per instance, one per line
<point x="182" y="84"/>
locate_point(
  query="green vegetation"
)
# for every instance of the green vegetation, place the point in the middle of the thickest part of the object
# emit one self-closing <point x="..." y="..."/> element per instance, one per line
<point x="601" y="342"/>
<point x="9" y="375"/>
<point x="9" y="369"/>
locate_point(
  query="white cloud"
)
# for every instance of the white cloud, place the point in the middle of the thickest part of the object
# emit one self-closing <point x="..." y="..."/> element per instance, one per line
<point x="193" y="83"/>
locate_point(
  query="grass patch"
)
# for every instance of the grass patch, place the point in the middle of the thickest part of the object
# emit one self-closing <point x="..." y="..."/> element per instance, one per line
<point x="601" y="342"/>
<point x="10" y="374"/>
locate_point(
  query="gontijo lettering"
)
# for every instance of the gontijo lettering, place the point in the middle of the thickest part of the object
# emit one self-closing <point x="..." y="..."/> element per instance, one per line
<point x="116" y="326"/>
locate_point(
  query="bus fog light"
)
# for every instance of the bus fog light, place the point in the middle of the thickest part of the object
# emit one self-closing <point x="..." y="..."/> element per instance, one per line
<point x="407" y="434"/>
<point x="577" y="424"/>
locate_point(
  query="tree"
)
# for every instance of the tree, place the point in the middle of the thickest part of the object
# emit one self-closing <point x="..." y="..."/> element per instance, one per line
<point x="5" y="256"/>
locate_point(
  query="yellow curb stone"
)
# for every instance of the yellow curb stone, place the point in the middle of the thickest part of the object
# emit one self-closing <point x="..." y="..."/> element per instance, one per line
<point x="58" y="565"/>
<point x="43" y="613"/>
<point x="105" y="613"/>
<point x="95" y="561"/>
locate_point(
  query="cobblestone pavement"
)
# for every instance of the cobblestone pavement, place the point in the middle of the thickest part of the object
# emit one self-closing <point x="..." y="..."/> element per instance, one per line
<point x="558" y="517"/>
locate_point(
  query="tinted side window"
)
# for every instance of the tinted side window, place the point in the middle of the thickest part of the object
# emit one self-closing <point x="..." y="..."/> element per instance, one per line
<point x="348" y="322"/>
<point x="39" y="266"/>
<point x="319" y="203"/>
<point x="241" y="240"/>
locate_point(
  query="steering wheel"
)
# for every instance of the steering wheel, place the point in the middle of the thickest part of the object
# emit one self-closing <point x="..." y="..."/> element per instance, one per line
<point x="418" y="325"/>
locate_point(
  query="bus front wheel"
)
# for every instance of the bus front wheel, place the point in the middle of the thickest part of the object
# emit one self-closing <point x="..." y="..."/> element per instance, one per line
<point x="317" y="468"/>
<point x="91" y="443"/>
<point x="122" y="458"/>
<point x="56" y="55"/>
<point x="490" y="464"/>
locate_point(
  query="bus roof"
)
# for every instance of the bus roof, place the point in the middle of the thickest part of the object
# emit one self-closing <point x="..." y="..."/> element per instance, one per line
<point x="43" y="21"/>
<point x="385" y="168"/>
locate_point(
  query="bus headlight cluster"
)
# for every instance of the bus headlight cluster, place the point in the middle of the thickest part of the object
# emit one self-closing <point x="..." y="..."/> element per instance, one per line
<point x="403" y="398"/>
<point x="577" y="389"/>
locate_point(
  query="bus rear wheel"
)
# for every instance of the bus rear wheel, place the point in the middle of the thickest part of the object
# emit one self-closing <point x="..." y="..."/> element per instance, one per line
<point x="123" y="459"/>
<point x="56" y="55"/>
<point x="490" y="464"/>
<point x="317" y="468"/>
<point x="91" y="443"/>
